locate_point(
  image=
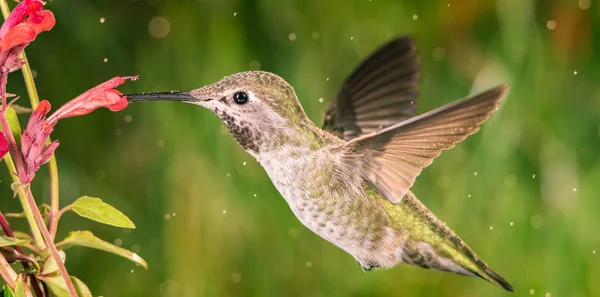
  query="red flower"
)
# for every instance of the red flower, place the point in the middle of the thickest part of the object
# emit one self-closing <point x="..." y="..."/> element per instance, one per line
<point x="103" y="95"/>
<point x="17" y="29"/>
<point x="33" y="142"/>
<point x="4" y="146"/>
<point x="21" y="27"/>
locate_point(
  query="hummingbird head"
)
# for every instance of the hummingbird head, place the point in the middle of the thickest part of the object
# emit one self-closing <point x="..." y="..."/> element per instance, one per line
<point x="260" y="109"/>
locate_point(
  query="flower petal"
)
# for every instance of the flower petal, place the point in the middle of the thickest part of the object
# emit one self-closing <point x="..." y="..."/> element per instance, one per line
<point x="33" y="140"/>
<point x="21" y="33"/>
<point x="102" y="95"/>
<point x="4" y="146"/>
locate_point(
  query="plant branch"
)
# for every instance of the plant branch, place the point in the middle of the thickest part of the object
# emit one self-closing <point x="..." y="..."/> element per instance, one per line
<point x="53" y="251"/>
<point x="37" y="235"/>
<point x="8" y="274"/>
<point x="34" y="99"/>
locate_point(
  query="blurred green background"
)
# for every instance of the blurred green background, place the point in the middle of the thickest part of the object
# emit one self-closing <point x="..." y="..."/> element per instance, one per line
<point x="524" y="192"/>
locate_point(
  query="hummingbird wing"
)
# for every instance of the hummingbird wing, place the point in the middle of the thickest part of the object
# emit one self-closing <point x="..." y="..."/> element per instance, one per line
<point x="393" y="157"/>
<point x="381" y="91"/>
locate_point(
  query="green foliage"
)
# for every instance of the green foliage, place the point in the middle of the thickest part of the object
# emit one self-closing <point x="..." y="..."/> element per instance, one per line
<point x="10" y="241"/>
<point x="100" y="211"/>
<point x="20" y="287"/>
<point x="87" y="239"/>
<point x="13" y="121"/>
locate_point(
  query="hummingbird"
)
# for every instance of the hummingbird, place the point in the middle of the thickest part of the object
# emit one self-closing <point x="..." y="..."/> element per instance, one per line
<point x="349" y="180"/>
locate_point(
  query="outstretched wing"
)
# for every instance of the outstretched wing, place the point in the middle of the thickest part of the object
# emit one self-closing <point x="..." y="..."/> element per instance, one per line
<point x="393" y="157"/>
<point x="381" y="92"/>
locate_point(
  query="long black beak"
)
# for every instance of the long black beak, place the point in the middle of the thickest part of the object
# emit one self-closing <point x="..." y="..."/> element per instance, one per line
<point x="162" y="96"/>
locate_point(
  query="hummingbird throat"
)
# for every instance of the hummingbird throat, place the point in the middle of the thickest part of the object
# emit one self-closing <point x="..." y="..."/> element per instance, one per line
<point x="248" y="137"/>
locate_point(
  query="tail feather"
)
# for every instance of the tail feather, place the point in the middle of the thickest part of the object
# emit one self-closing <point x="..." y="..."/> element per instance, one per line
<point x="431" y="244"/>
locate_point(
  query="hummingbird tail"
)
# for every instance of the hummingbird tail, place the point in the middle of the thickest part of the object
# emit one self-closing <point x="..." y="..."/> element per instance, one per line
<point x="493" y="277"/>
<point x="433" y="245"/>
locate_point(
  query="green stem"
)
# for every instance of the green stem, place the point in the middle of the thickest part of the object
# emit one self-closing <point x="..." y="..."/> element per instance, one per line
<point x="49" y="242"/>
<point x="37" y="235"/>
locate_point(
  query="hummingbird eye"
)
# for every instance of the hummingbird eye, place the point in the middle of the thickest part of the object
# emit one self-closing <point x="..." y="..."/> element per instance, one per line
<point x="240" y="98"/>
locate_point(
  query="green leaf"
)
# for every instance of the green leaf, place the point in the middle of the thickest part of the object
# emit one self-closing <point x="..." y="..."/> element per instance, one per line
<point x="20" y="290"/>
<point x="8" y="292"/>
<point x="10" y="241"/>
<point x="100" y="211"/>
<point x="13" y="122"/>
<point x="81" y="288"/>
<point x="58" y="286"/>
<point x="50" y="267"/>
<point x="87" y="239"/>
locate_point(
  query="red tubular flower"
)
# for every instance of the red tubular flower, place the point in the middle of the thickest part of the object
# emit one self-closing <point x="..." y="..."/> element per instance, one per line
<point x="24" y="23"/>
<point x="33" y="141"/>
<point x="103" y="95"/>
<point x="4" y="146"/>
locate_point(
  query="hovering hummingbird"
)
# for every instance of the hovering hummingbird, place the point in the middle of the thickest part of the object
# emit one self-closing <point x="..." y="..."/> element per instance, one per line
<point x="349" y="181"/>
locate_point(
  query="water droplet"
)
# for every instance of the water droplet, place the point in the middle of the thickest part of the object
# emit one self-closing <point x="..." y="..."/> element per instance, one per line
<point x="510" y="181"/>
<point x="351" y="37"/>
<point x="308" y="264"/>
<point x="102" y="20"/>
<point x="415" y="17"/>
<point x="236" y="278"/>
<point x="135" y="248"/>
<point x="548" y="294"/>
<point x="536" y="221"/>
<point x="439" y="54"/>
<point x="235" y="13"/>
<point x="254" y="195"/>
<point x="128" y="119"/>
<point x="551" y="24"/>
<point x="475" y="173"/>
<point x="159" y="27"/>
<point x="254" y="65"/>
<point x="412" y="102"/>
<point x="131" y="270"/>
<point x="105" y="60"/>
<point x="293" y="233"/>
<point x="118" y="242"/>
<point x="320" y="100"/>
<point x="491" y="227"/>
<point x="327" y="79"/>
<point x="228" y="175"/>
<point x="585" y="4"/>
<point x="316" y="35"/>
<point x="448" y="4"/>
<point x="469" y="196"/>
<point x="575" y="72"/>
<point x="574" y="189"/>
<point x="167" y="216"/>
<point x="292" y="36"/>
<point x="174" y="214"/>
<point x="533" y="176"/>
<point x="224" y="211"/>
<point x="532" y="291"/>
<point x="594" y="252"/>
<point x="512" y="223"/>
<point x="244" y="163"/>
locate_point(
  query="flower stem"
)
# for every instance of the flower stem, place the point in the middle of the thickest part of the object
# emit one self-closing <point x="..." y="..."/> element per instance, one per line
<point x="49" y="242"/>
<point x="37" y="235"/>
<point x="8" y="274"/>
<point x="34" y="99"/>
